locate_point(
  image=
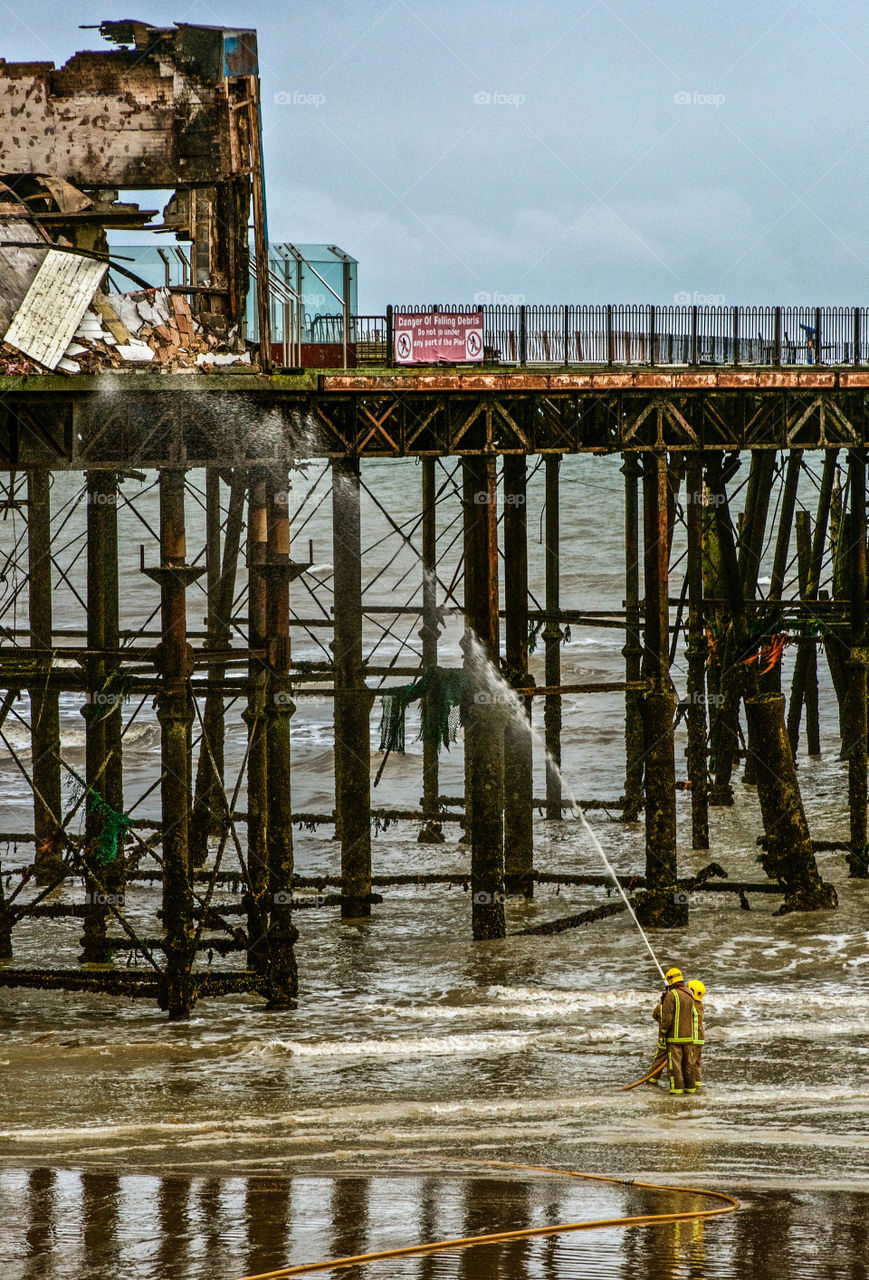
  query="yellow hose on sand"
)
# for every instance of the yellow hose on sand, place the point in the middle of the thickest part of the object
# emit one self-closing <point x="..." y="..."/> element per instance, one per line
<point x="496" y="1237"/>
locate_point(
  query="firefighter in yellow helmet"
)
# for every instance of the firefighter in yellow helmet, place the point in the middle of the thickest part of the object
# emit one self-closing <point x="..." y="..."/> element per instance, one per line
<point x="659" y="1061"/>
<point x="678" y="1019"/>
<point x="698" y="991"/>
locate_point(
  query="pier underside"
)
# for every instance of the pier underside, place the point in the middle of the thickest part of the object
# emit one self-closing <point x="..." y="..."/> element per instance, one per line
<point x="221" y="456"/>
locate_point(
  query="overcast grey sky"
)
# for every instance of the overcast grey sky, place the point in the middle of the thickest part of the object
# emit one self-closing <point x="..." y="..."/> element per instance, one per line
<point x="620" y="152"/>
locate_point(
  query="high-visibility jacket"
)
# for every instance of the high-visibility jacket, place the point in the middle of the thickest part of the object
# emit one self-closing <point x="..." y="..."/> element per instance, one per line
<point x="699" y="1011"/>
<point x="679" y="1017"/>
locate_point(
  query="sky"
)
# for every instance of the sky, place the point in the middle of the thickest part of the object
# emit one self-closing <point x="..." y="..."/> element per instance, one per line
<point x="600" y="151"/>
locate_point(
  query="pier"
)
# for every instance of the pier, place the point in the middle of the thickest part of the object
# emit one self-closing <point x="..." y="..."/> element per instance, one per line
<point x="705" y="407"/>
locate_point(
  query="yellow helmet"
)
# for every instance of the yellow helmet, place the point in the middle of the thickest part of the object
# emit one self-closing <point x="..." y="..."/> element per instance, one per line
<point x="673" y="976"/>
<point x="697" y="988"/>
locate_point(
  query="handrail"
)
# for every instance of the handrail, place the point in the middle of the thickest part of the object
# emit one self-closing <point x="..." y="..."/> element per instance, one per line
<point x="685" y="333"/>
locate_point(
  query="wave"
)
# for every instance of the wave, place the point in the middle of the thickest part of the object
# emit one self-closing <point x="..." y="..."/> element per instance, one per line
<point x="475" y="1043"/>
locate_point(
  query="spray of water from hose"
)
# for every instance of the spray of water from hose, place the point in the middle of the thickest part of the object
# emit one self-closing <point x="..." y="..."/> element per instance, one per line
<point x="499" y="689"/>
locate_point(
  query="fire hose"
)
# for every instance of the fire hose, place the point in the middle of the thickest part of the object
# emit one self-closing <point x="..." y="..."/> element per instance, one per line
<point x="728" y="1205"/>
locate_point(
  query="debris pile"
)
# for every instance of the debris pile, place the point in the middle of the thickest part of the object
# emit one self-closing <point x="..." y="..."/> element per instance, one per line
<point x="148" y="327"/>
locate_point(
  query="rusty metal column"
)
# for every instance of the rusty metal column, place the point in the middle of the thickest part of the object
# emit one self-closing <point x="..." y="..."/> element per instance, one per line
<point x="697" y="753"/>
<point x="279" y="572"/>
<point x="484" y="712"/>
<point x="44" y="701"/>
<point x="209" y="816"/>
<point x="431" y="832"/>
<point x="518" y="752"/>
<point x="659" y="705"/>
<point x="173" y="659"/>
<point x="102" y="710"/>
<point x="352" y="699"/>
<point x="856" y="719"/>
<point x="552" y="636"/>
<point x="632" y="652"/>
<point x="254" y="717"/>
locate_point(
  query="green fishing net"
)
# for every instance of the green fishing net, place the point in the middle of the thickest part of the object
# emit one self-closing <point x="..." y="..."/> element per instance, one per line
<point x="440" y="690"/>
<point x="115" y="826"/>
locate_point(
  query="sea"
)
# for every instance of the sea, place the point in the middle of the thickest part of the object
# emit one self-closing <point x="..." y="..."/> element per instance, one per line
<point x="382" y="1110"/>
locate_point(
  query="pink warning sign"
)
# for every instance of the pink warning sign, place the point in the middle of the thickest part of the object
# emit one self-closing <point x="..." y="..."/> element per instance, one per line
<point x="438" y="337"/>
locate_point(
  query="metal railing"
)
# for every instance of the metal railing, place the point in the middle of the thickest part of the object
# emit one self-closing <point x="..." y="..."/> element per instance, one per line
<point x="624" y="335"/>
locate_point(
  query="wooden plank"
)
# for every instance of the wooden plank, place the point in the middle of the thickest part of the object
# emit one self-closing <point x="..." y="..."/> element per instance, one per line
<point x="53" y="306"/>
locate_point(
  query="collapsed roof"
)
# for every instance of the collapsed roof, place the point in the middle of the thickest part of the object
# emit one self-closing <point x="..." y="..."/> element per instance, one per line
<point x="169" y="108"/>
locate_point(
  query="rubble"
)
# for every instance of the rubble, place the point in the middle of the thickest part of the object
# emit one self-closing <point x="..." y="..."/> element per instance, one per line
<point x="154" y="327"/>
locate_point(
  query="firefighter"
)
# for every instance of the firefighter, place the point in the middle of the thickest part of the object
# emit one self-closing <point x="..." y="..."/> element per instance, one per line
<point x="659" y="1061"/>
<point x="678" y="1021"/>
<point x="698" y="991"/>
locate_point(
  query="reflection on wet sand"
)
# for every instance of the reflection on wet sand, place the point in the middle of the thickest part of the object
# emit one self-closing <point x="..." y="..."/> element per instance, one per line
<point x="96" y="1226"/>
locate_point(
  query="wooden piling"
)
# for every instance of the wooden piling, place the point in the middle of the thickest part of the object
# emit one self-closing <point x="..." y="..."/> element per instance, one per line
<point x="837" y="639"/>
<point x="209" y="816"/>
<point x="771" y="682"/>
<point x="44" y="700"/>
<point x="751" y="543"/>
<point x="552" y="636"/>
<point x="279" y="572"/>
<point x="254" y="717"/>
<point x="431" y="831"/>
<point x="518" y="751"/>
<point x="788" y="856"/>
<point x="856" y="703"/>
<point x="663" y="906"/>
<point x="810" y="674"/>
<point x="352" y="699"/>
<point x="803" y="663"/>
<point x="484" y="710"/>
<point x="632" y="651"/>
<point x="102" y="713"/>
<point x="726" y="728"/>
<point x="696" y="648"/>
<point x="173" y="659"/>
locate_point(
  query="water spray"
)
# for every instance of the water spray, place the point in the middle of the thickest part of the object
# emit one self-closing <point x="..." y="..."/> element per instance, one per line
<point x="509" y="695"/>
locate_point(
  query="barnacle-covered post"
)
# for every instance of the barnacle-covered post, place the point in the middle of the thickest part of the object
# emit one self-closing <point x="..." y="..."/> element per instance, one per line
<point x="209" y="817"/>
<point x="552" y="636"/>
<point x="788" y="856"/>
<point x="633" y="651"/>
<point x="279" y="572"/>
<point x="856" y="717"/>
<point x="518" y="754"/>
<point x="44" y="701"/>
<point x="663" y="906"/>
<point x="697" y="759"/>
<point x="104" y="852"/>
<point x="254" y="716"/>
<point x="352" y="699"/>
<point x="173" y="659"/>
<point x="484" y="710"/>
<point x="431" y="832"/>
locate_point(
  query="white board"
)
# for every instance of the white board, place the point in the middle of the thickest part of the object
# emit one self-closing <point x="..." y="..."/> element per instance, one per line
<point x="53" y="306"/>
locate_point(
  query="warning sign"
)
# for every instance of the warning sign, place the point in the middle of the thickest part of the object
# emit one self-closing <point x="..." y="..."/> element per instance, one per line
<point x="438" y="337"/>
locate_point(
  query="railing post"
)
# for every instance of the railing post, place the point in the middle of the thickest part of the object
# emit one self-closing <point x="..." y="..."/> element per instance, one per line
<point x="818" y="357"/>
<point x="610" y="352"/>
<point x="652" y="334"/>
<point x="736" y="335"/>
<point x="777" y="337"/>
<point x="694" y="334"/>
<point x="389" y="335"/>
<point x="856" y="335"/>
<point x="523" y="337"/>
<point x="566" y="332"/>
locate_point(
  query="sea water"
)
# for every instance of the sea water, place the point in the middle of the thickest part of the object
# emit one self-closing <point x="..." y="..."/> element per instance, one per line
<point x="246" y="1139"/>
